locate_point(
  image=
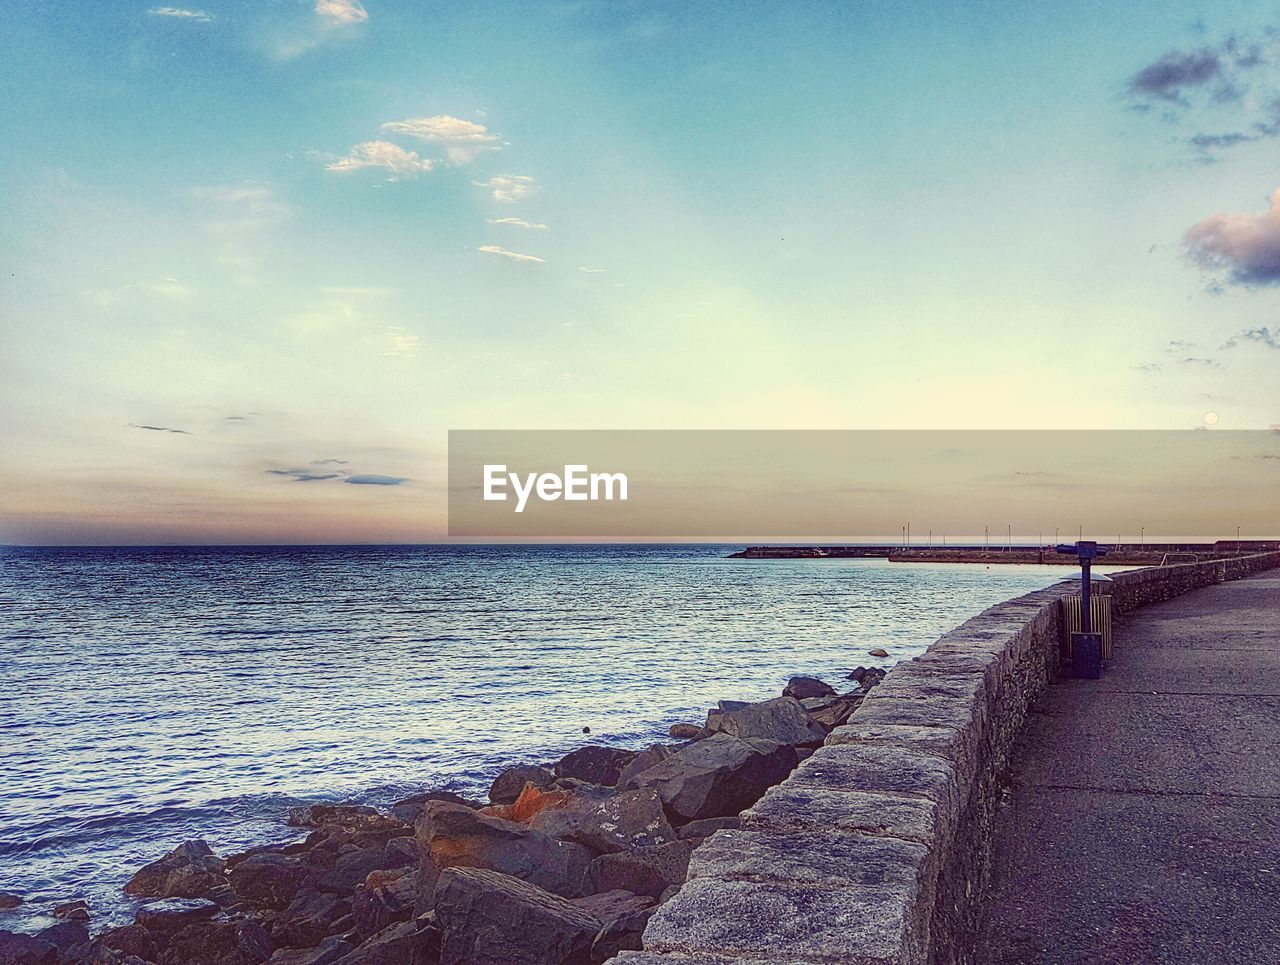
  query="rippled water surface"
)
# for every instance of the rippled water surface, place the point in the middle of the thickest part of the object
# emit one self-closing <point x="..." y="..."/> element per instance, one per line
<point x="150" y="696"/>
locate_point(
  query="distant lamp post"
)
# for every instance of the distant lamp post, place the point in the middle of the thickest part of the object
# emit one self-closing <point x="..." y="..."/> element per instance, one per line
<point x="1086" y="646"/>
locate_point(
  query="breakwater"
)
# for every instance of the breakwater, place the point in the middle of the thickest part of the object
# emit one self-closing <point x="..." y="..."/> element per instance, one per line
<point x="1118" y="554"/>
<point x="878" y="847"/>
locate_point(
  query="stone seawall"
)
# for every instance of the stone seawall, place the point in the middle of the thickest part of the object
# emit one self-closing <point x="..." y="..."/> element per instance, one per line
<point x="878" y="848"/>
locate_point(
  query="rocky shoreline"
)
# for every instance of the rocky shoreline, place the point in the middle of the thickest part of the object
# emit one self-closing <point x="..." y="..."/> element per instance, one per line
<point x="564" y="864"/>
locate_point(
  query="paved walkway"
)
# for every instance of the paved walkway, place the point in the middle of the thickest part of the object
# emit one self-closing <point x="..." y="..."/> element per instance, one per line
<point x="1143" y="824"/>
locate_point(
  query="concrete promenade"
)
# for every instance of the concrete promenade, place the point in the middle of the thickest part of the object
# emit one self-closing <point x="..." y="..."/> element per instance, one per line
<point x="1143" y="820"/>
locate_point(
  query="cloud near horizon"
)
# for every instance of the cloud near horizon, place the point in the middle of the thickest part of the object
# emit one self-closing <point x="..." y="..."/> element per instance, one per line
<point x="179" y="13"/>
<point x="1245" y="246"/>
<point x="401" y="164"/>
<point x="462" y="141"/>
<point x="513" y="255"/>
<point x="509" y="188"/>
<point x="178" y="432"/>
<point x="341" y="11"/>
<point x="519" y="223"/>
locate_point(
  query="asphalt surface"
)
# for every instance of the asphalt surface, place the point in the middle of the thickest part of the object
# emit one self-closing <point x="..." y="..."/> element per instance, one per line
<point x="1143" y="822"/>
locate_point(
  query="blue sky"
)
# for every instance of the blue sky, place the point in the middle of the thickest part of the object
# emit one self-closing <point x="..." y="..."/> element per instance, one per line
<point x="313" y="237"/>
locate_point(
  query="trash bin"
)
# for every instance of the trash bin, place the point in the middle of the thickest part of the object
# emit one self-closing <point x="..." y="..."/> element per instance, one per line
<point x="1100" y="622"/>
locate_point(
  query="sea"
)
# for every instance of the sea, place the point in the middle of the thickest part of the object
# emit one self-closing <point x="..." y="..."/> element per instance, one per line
<point x="153" y="695"/>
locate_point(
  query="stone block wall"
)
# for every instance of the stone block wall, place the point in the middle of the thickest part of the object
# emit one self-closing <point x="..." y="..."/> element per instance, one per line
<point x="877" y="849"/>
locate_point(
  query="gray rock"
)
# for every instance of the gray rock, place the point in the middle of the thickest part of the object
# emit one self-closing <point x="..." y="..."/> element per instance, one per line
<point x="77" y="910"/>
<point x="727" y="706"/>
<point x="507" y="786"/>
<point x="802" y="687"/>
<point x="645" y="871"/>
<point x="487" y="918"/>
<point x="130" y="940"/>
<point x="414" y="942"/>
<point x="343" y="815"/>
<point x="170" y="915"/>
<point x="16" y="949"/>
<point x="782" y="720"/>
<point x="65" y="934"/>
<point x="9" y="900"/>
<point x="217" y="943"/>
<point x="352" y="867"/>
<point x="717" y="777"/>
<point x="647" y="758"/>
<point x="310" y="917"/>
<point x="327" y="952"/>
<point x="270" y="880"/>
<point x="685" y="732"/>
<point x="595" y="764"/>
<point x="410" y="808"/>
<point x="709" y="826"/>
<point x="188" y="871"/>
<point x="629" y="819"/>
<point x="450" y="835"/>
<point x="624" y="915"/>
<point x="835" y="713"/>
<point x="383" y="901"/>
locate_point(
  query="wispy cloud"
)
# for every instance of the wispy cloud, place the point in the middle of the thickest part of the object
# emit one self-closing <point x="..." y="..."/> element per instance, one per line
<point x="1245" y="246"/>
<point x="462" y="141"/>
<point x="1231" y="84"/>
<point x="341" y="11"/>
<point x="303" y="475"/>
<point x="372" y="479"/>
<point x="401" y="164"/>
<point x="513" y="255"/>
<point x="401" y="345"/>
<point x="242" y="207"/>
<point x="1261" y="336"/>
<point x="509" y="188"/>
<point x="179" y="13"/>
<point x="178" y="432"/>
<point x="1148" y="366"/>
<point x="519" y="223"/>
<point x="591" y="271"/>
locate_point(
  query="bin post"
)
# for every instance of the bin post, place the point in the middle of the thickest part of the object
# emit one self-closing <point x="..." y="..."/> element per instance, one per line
<point x="1086" y="646"/>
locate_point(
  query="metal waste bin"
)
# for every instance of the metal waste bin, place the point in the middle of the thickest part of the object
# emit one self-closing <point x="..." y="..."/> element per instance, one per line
<point x="1100" y="622"/>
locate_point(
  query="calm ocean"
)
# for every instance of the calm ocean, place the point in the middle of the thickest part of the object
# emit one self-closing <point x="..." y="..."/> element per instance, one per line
<point x="148" y="696"/>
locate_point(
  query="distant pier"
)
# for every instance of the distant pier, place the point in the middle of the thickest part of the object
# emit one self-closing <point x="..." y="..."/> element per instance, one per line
<point x="1118" y="554"/>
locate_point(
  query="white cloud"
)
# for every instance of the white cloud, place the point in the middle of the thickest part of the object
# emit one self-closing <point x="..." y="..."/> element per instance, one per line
<point x="509" y="188"/>
<point x="242" y="207"/>
<point x="401" y="345"/>
<point x="199" y="16"/>
<point x="382" y="154"/>
<point x="1246" y="246"/>
<point x="591" y="271"/>
<point x="341" y="11"/>
<point x="513" y="255"/>
<point x="519" y="223"/>
<point x="462" y="140"/>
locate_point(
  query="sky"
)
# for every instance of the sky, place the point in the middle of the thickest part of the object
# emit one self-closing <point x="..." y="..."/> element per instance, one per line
<point x="261" y="256"/>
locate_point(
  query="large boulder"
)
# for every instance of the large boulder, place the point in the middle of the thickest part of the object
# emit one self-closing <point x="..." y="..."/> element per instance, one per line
<point x="410" y="809"/>
<point x="624" y="915"/>
<point x="782" y="720"/>
<point x="645" y="871"/>
<point x="328" y="952"/>
<point x="126" y="941"/>
<point x="830" y="712"/>
<point x="647" y="758"/>
<point x="217" y="943"/>
<point x="415" y="942"/>
<point x="351" y="817"/>
<point x="173" y="914"/>
<point x="65" y="935"/>
<point x="16" y="949"/>
<point x="629" y="819"/>
<point x="802" y="687"/>
<point x="270" y="880"/>
<point x="385" y="899"/>
<point x="508" y="785"/>
<point x="310" y="917"/>
<point x="532" y="801"/>
<point x="719" y="776"/>
<point x="352" y="867"/>
<point x="487" y="918"/>
<point x="595" y="764"/>
<point x="453" y="836"/>
<point x="188" y="871"/>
